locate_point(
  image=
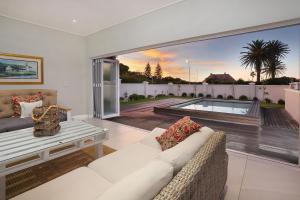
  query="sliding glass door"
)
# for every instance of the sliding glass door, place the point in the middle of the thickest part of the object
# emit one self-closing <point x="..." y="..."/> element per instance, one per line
<point x="106" y="88"/>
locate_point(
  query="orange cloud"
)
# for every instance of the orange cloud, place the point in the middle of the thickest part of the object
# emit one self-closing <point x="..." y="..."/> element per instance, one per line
<point x="159" y="55"/>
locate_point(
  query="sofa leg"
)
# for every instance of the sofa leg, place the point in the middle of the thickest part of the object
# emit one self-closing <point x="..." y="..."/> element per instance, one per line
<point x="99" y="150"/>
<point x="2" y="188"/>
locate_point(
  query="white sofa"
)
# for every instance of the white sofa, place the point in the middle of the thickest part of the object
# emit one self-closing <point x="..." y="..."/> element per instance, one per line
<point x="136" y="172"/>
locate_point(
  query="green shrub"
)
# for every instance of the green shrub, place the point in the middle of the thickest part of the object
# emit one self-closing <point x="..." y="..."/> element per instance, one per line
<point x="255" y="99"/>
<point x="149" y="96"/>
<point x="243" y="98"/>
<point x="133" y="97"/>
<point x="281" y="102"/>
<point x="160" y="95"/>
<point x="230" y="97"/>
<point x="220" y="96"/>
<point x="200" y="95"/>
<point x="121" y="98"/>
<point x="171" y="94"/>
<point x="267" y="100"/>
<point x="208" y="96"/>
<point x="192" y="94"/>
<point x="184" y="94"/>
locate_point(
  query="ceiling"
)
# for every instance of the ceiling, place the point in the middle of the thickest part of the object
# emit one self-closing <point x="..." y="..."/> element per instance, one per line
<point x="89" y="16"/>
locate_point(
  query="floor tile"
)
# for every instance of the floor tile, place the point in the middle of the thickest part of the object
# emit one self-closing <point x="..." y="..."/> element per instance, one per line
<point x="266" y="180"/>
<point x="236" y="168"/>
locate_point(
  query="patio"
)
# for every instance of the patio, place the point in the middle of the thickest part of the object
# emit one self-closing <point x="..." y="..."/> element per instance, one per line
<point x="277" y="139"/>
<point x="249" y="177"/>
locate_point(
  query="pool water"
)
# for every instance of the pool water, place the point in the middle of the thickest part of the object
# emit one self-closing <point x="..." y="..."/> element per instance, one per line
<point x="219" y="106"/>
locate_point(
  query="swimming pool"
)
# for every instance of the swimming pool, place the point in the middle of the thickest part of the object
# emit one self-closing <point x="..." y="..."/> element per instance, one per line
<point x="232" y="111"/>
<point x="239" y="108"/>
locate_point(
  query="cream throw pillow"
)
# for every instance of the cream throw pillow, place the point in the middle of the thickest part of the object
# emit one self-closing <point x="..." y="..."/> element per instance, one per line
<point x="26" y="108"/>
<point x="180" y="154"/>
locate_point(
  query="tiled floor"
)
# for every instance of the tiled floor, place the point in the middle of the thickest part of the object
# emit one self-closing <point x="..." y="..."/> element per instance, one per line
<point x="249" y="177"/>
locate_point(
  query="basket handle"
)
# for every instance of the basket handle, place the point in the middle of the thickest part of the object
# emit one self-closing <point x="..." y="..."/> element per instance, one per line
<point x="38" y="119"/>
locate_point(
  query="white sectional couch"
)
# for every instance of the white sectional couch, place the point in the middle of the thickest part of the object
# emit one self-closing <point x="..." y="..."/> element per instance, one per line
<point x="137" y="172"/>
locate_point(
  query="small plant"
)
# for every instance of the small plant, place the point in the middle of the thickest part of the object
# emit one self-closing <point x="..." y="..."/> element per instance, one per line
<point x="171" y="94"/>
<point x="141" y="97"/>
<point x="192" y="94"/>
<point x="220" y="96"/>
<point x="230" y="97"/>
<point x="133" y="97"/>
<point x="243" y="98"/>
<point x="150" y="97"/>
<point x="268" y="101"/>
<point x="255" y="99"/>
<point x="184" y="94"/>
<point x="122" y="99"/>
<point x="160" y="95"/>
<point x="281" y="102"/>
<point x="200" y="95"/>
<point x="208" y="96"/>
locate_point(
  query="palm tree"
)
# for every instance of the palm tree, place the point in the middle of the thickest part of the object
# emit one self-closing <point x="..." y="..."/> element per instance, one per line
<point x="254" y="57"/>
<point x="252" y="74"/>
<point x="276" y="50"/>
<point x="273" y="68"/>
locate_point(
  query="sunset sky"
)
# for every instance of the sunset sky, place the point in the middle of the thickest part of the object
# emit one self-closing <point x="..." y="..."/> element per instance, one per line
<point x="214" y="56"/>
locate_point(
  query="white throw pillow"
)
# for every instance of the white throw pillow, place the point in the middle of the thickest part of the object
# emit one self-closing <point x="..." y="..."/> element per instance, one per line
<point x="180" y="154"/>
<point x="144" y="183"/>
<point x="150" y="140"/>
<point x="26" y="108"/>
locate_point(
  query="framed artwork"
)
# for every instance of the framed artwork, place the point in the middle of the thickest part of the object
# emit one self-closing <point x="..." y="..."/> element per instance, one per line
<point x="20" y="69"/>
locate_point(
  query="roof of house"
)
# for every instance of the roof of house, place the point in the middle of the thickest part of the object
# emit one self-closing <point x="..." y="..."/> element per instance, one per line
<point x="220" y="78"/>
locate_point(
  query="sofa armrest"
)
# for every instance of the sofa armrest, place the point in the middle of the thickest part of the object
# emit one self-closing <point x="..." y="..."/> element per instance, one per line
<point x="203" y="177"/>
<point x="66" y="111"/>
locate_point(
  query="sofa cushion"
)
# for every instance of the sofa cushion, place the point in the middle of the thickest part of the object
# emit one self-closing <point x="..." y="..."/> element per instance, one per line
<point x="27" y="108"/>
<point x="150" y="140"/>
<point x="30" y="98"/>
<point x="177" y="132"/>
<point x="143" y="184"/>
<point x="82" y="183"/>
<point x="119" y="164"/>
<point x="13" y="123"/>
<point x="180" y="154"/>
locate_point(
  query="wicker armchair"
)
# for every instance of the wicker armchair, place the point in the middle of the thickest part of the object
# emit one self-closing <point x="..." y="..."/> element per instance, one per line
<point x="204" y="177"/>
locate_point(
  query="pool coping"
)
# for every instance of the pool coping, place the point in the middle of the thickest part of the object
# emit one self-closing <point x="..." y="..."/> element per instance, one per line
<point x="251" y="118"/>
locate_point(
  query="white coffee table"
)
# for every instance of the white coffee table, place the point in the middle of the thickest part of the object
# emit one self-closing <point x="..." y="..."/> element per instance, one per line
<point x="21" y="144"/>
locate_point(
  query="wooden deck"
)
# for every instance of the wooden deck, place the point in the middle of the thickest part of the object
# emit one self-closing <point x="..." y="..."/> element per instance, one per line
<point x="278" y="118"/>
<point x="276" y="142"/>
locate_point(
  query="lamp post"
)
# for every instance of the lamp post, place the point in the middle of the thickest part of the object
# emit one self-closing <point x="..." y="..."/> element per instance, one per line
<point x="188" y="63"/>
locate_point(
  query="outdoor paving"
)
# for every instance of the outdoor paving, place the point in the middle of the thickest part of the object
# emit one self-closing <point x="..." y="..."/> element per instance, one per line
<point x="275" y="140"/>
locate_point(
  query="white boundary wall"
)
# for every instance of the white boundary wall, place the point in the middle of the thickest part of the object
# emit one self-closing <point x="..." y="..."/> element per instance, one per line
<point x="273" y="92"/>
<point x="292" y="106"/>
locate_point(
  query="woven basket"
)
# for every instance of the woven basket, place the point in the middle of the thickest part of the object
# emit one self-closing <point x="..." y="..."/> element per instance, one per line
<point x="46" y="121"/>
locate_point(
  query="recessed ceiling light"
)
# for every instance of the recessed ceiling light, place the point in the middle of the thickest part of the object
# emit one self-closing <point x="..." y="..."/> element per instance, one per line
<point x="74" y="21"/>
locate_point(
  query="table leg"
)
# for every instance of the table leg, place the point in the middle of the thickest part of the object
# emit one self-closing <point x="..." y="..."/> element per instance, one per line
<point x="2" y="188"/>
<point x="99" y="150"/>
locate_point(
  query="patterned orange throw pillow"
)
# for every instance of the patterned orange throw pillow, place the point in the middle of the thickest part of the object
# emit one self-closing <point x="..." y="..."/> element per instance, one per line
<point x="17" y="99"/>
<point x="177" y="132"/>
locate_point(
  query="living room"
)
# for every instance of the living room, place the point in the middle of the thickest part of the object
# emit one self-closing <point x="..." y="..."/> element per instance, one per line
<point x="71" y="42"/>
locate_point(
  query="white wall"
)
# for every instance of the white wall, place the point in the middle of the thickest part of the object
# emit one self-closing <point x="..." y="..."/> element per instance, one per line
<point x="188" y="19"/>
<point x="273" y="92"/>
<point x="65" y="59"/>
<point x="292" y="105"/>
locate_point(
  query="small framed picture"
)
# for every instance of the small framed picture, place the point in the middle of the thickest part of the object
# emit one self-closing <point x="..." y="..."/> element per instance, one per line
<point x="20" y="69"/>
